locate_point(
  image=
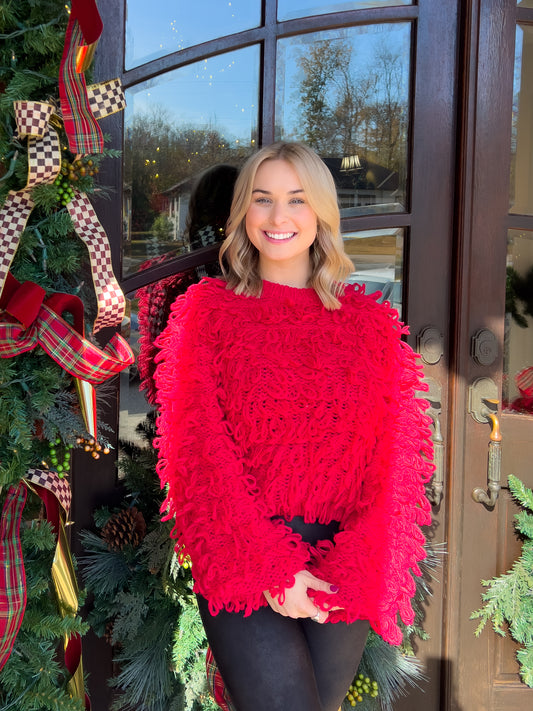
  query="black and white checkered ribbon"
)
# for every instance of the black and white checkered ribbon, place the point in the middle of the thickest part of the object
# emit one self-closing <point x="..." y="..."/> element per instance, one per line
<point x="50" y="480"/>
<point x="44" y="165"/>
<point x="111" y="302"/>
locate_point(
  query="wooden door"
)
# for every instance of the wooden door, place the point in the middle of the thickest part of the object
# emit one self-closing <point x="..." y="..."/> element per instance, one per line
<point x="489" y="357"/>
<point x="495" y="209"/>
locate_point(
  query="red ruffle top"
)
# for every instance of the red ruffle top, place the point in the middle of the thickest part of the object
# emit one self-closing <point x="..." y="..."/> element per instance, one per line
<point x="275" y="406"/>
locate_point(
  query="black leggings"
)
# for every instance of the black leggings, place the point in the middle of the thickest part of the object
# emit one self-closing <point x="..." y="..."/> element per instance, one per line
<point x="275" y="663"/>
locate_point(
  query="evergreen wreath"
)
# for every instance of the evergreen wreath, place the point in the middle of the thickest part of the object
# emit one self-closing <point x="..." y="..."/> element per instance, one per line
<point x="509" y="597"/>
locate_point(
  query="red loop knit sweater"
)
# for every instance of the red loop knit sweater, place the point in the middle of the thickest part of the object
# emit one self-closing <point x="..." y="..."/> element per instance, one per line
<point x="275" y="406"/>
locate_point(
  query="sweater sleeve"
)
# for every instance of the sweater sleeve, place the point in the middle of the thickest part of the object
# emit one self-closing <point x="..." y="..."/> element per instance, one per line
<point x="381" y="542"/>
<point x="237" y="551"/>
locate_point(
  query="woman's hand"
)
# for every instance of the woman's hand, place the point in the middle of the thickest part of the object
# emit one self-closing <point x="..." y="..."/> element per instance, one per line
<point x="297" y="602"/>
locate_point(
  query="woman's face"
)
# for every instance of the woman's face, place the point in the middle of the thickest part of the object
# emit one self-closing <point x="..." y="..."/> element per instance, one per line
<point x="281" y="224"/>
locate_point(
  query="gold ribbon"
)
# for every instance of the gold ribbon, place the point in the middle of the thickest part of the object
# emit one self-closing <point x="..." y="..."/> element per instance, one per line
<point x="55" y="493"/>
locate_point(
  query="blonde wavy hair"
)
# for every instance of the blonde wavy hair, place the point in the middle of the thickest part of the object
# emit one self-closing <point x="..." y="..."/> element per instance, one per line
<point x="239" y="258"/>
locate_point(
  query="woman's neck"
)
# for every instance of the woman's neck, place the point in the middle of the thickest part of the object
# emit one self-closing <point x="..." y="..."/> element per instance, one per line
<point x="288" y="274"/>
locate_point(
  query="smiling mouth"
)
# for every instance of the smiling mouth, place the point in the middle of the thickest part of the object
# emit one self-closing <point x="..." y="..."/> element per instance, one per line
<point x="280" y="236"/>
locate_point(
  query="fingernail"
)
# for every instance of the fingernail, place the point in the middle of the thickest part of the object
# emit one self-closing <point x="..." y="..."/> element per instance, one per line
<point x="334" y="588"/>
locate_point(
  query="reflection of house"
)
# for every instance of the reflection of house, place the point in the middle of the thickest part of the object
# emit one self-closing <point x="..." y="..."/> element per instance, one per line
<point x="361" y="184"/>
<point x="174" y="202"/>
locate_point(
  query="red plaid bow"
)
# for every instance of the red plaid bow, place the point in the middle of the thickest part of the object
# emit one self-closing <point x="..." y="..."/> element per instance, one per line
<point x="27" y="321"/>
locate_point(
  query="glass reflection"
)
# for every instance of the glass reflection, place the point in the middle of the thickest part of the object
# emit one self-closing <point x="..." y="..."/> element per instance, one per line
<point x="177" y="126"/>
<point x="521" y="189"/>
<point x="524" y="3"/>
<point x="346" y="94"/>
<point x="176" y="25"/>
<point x="518" y="342"/>
<point x="377" y="256"/>
<point x="289" y="9"/>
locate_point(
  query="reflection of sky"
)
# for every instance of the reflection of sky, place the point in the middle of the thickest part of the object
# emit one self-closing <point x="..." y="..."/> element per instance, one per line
<point x="166" y="26"/>
<point x="220" y="93"/>
<point x="365" y="43"/>
<point x="289" y="9"/>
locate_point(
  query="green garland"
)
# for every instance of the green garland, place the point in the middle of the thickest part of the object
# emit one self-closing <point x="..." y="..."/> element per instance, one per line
<point x="509" y="598"/>
<point x="38" y="404"/>
<point x="144" y="606"/>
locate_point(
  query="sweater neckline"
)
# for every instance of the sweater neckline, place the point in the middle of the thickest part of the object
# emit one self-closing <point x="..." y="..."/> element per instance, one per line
<point x="273" y="290"/>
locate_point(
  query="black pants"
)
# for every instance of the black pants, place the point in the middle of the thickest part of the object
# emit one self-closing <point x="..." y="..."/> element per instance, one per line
<point x="275" y="663"/>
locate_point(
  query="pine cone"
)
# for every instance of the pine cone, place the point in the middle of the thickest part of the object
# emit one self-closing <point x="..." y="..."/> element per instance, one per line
<point x="126" y="527"/>
<point x="108" y="633"/>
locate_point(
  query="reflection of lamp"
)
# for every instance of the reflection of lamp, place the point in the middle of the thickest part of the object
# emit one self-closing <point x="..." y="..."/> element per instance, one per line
<point x="350" y="164"/>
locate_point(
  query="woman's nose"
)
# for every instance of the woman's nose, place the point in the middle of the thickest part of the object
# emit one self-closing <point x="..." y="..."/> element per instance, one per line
<point x="278" y="213"/>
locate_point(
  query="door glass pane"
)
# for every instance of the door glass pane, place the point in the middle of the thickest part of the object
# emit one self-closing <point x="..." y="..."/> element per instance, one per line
<point x="377" y="256"/>
<point x="524" y="3"/>
<point x="289" y="9"/>
<point x="177" y="126"/>
<point x="518" y="343"/>
<point x="166" y="26"/>
<point x="146" y="316"/>
<point x="521" y="191"/>
<point x="346" y="93"/>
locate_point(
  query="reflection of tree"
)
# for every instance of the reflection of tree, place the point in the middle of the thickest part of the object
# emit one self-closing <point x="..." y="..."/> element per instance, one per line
<point x="348" y="111"/>
<point x="159" y="154"/>
<point x="387" y="110"/>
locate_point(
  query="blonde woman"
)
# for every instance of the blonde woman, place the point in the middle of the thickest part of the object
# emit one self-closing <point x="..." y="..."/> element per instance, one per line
<point x="293" y="446"/>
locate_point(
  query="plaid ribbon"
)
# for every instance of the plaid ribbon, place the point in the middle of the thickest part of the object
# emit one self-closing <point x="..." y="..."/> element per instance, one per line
<point x="72" y="352"/>
<point x="524" y="381"/>
<point x="215" y="683"/>
<point x="26" y="322"/>
<point x="12" y="573"/>
<point x="83" y="132"/>
<point x="111" y="302"/>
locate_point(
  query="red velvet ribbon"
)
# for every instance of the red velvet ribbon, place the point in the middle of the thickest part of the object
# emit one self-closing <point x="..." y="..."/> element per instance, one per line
<point x="24" y="301"/>
<point x="88" y="17"/>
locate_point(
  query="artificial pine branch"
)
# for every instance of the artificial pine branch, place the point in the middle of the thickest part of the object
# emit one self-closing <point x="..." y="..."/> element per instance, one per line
<point x="509" y="597"/>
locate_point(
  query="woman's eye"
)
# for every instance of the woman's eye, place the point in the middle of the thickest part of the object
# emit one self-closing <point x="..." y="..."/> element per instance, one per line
<point x="297" y="201"/>
<point x="262" y="201"/>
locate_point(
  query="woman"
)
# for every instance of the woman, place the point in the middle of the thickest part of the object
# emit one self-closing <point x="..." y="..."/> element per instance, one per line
<point x="293" y="446"/>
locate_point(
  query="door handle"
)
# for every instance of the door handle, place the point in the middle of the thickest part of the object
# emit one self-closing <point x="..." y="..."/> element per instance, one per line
<point x="484" y="408"/>
<point x="436" y="491"/>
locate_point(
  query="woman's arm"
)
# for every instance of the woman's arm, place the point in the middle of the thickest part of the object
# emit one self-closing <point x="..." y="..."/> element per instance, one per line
<point x="381" y="542"/>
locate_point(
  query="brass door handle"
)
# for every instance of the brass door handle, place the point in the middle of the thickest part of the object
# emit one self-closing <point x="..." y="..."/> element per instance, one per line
<point x="484" y="408"/>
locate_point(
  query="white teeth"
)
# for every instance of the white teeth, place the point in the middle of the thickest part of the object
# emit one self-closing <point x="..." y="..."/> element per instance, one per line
<point x="280" y="235"/>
